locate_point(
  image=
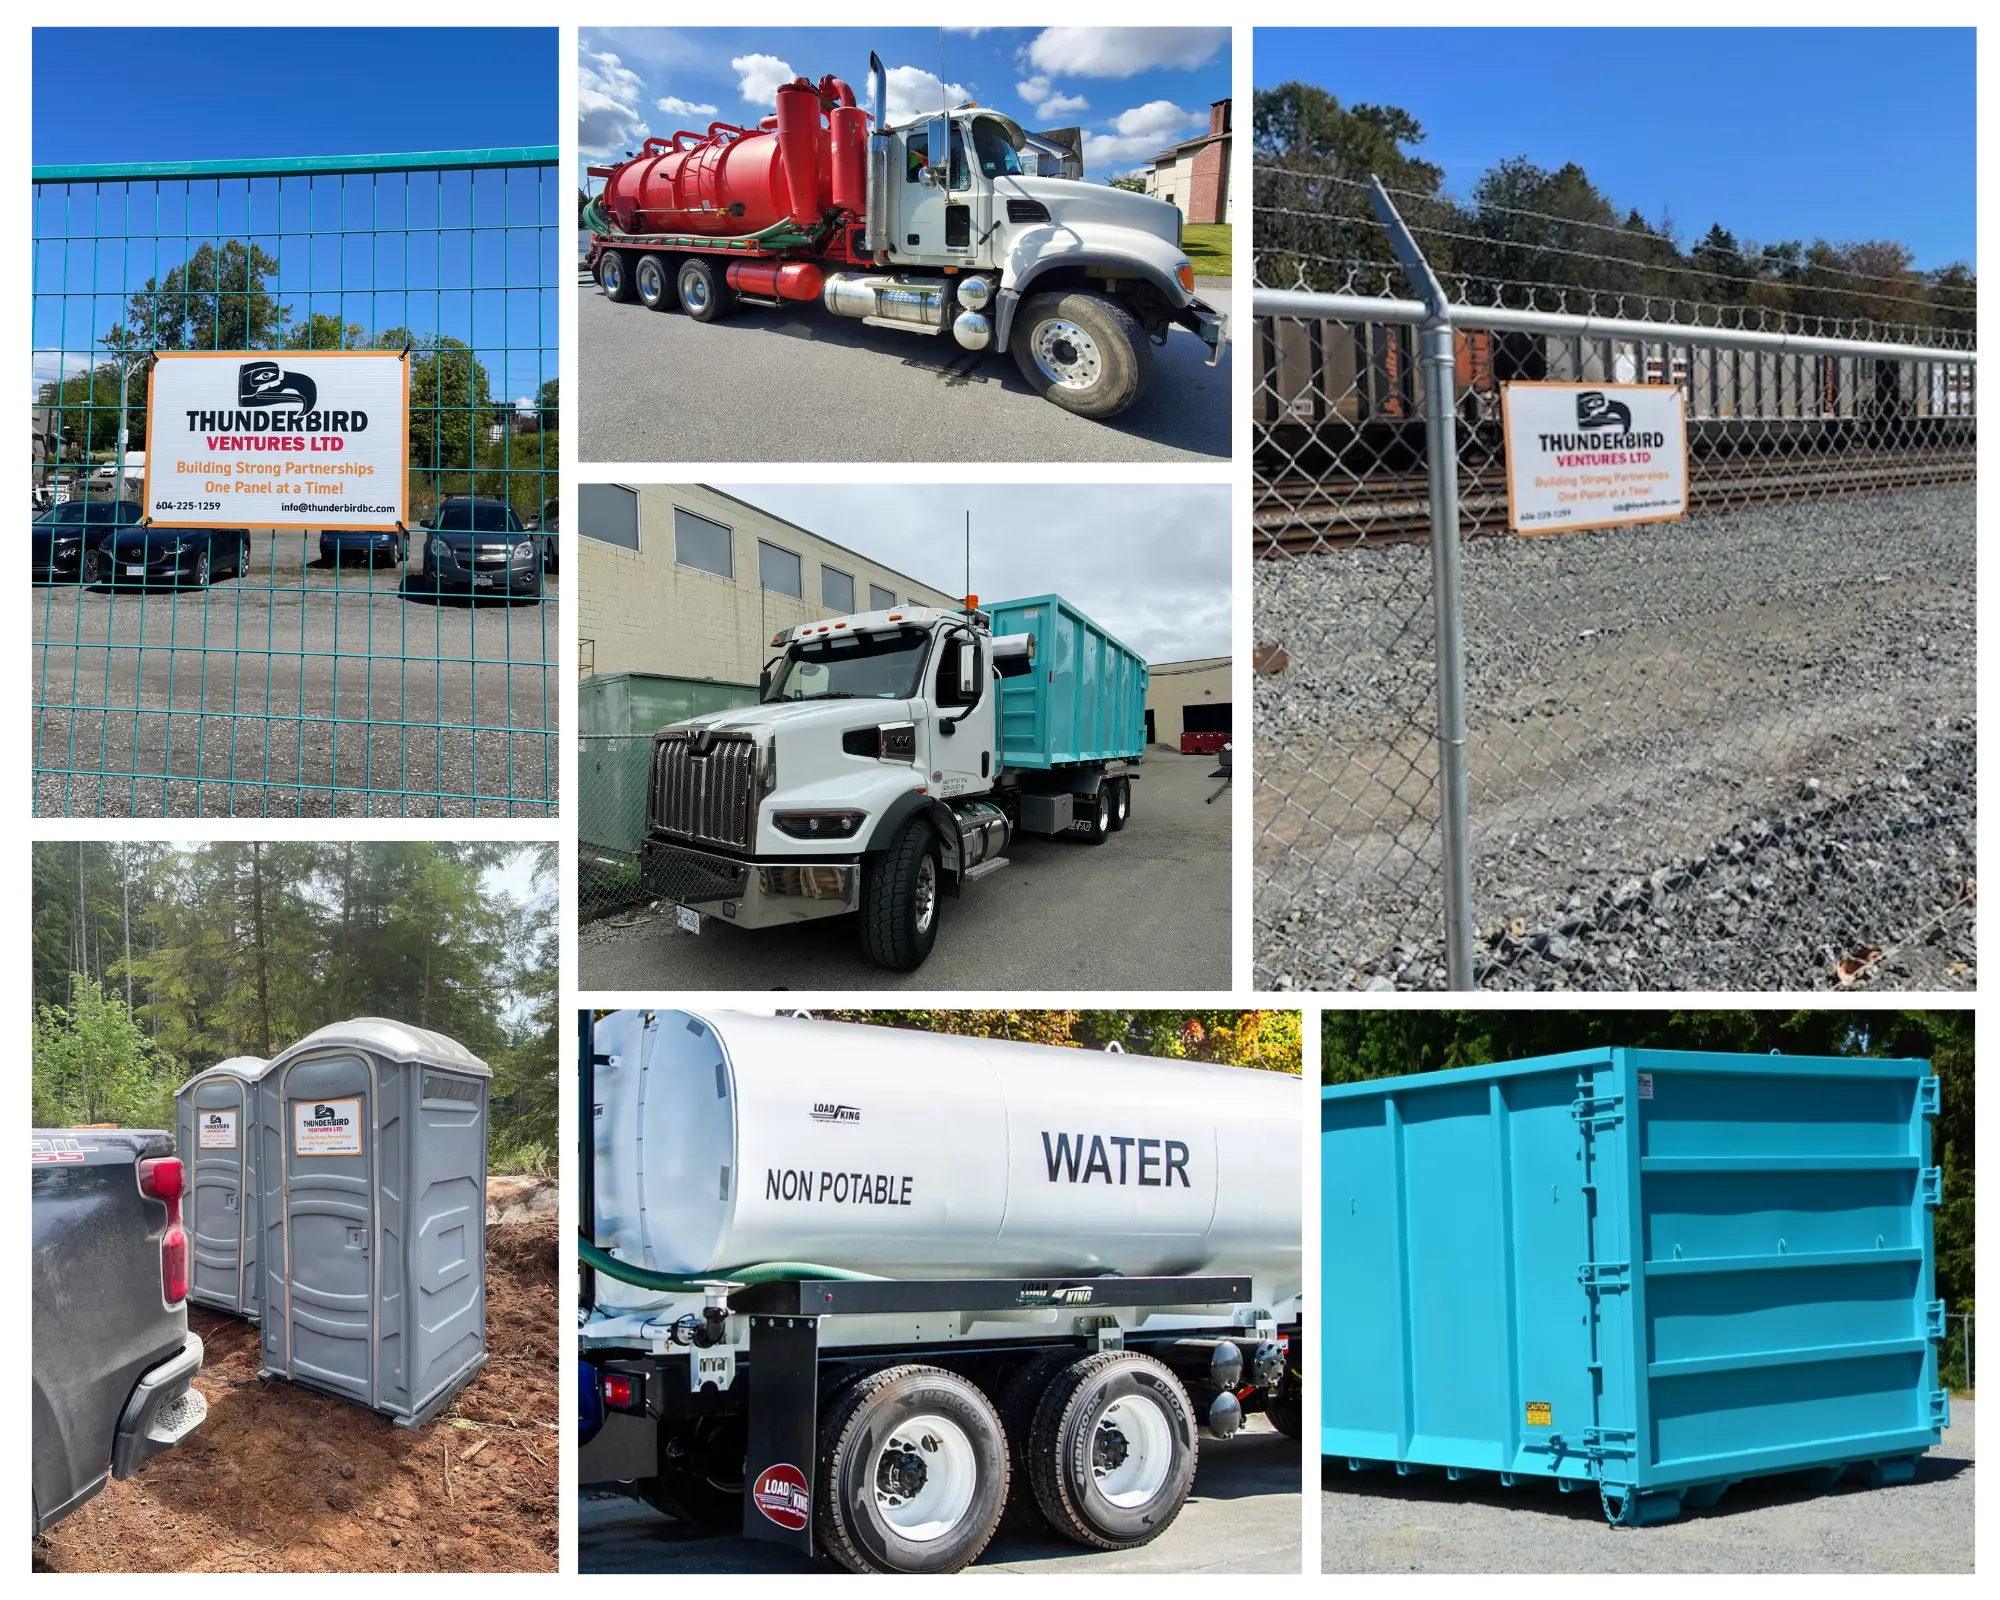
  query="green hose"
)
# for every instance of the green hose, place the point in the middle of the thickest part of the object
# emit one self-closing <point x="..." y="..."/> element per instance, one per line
<point x="785" y="235"/>
<point x="764" y="1272"/>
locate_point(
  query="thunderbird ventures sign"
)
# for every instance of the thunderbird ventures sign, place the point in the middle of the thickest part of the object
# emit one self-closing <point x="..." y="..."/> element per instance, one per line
<point x="1593" y="455"/>
<point x="306" y="439"/>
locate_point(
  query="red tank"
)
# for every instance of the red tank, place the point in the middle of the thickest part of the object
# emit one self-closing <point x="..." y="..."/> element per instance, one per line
<point x="808" y="159"/>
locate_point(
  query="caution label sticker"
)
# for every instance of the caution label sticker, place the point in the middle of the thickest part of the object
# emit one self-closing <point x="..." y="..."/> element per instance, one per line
<point x="1540" y="1414"/>
<point x="326" y="1127"/>
<point x="1645" y="1086"/>
<point x="781" y="1495"/>
<point x="217" y="1130"/>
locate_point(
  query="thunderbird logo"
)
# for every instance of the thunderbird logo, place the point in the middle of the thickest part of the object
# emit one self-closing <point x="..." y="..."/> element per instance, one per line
<point x="1594" y="410"/>
<point x="265" y="383"/>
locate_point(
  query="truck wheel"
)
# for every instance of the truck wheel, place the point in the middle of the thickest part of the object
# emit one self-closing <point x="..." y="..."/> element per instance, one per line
<point x="1113" y="1449"/>
<point x="1019" y="1399"/>
<point x="899" y="901"/>
<point x="1096" y="828"/>
<point x="705" y="294"/>
<point x="653" y="278"/>
<point x="912" y="1473"/>
<point x="612" y="277"/>
<point x="1121" y="802"/>
<point x="1086" y="353"/>
<point x="1284" y="1409"/>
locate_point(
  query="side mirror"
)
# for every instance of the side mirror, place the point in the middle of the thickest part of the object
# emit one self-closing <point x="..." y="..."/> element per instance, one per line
<point x="968" y="669"/>
<point x="937" y="159"/>
<point x="764" y="684"/>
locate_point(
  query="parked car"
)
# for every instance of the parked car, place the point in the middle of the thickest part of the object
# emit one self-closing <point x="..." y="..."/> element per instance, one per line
<point x="337" y="544"/>
<point x="550" y="524"/>
<point x="480" y="546"/>
<point x="167" y="556"/>
<point x="113" y="1361"/>
<point x="57" y="539"/>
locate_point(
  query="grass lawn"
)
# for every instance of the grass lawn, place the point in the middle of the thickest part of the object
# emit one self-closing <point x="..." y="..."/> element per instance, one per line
<point x="1208" y="248"/>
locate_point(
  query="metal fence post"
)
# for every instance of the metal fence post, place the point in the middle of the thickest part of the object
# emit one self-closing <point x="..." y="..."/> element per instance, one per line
<point x="1441" y="454"/>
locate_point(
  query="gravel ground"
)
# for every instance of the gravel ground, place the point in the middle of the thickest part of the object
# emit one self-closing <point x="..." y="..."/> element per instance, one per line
<point x="1146" y="909"/>
<point x="663" y="387"/>
<point x="1736" y="752"/>
<point x="1780" y="1524"/>
<point x="1242" y="1517"/>
<point x="319" y="690"/>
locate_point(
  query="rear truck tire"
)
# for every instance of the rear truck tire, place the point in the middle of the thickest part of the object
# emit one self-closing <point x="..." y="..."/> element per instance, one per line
<point x="1019" y="1398"/>
<point x="1285" y="1407"/>
<point x="900" y="900"/>
<point x="912" y="1474"/>
<point x="1121" y="802"/>
<point x="704" y="293"/>
<point x="1097" y="828"/>
<point x="1113" y="1450"/>
<point x="1084" y="352"/>
<point x="614" y="277"/>
<point x="653" y="282"/>
<point x="701" y="1475"/>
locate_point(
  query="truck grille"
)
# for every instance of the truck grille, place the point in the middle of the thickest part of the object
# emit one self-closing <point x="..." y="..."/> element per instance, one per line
<point x="705" y="788"/>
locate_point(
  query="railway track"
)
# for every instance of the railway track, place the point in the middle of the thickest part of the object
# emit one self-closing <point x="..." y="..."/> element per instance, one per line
<point x="1295" y="515"/>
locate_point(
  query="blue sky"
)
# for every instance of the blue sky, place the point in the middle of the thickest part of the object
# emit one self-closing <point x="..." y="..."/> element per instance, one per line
<point x="1134" y="91"/>
<point x="1776" y="133"/>
<point x="486" y="275"/>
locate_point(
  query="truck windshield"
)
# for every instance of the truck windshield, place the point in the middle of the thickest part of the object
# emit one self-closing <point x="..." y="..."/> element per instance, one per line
<point x="863" y="666"/>
<point x="997" y="156"/>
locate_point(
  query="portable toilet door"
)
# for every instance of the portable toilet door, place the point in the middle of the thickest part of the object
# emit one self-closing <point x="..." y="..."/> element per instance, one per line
<point x="214" y="1114"/>
<point x="373" y="1142"/>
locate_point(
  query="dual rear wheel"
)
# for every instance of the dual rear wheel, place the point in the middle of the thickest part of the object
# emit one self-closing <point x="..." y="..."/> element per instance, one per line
<point x="659" y="282"/>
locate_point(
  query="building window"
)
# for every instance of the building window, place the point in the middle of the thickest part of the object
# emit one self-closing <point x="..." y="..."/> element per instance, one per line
<point x="780" y="571"/>
<point x="607" y="512"/>
<point x="879" y="598"/>
<point x="836" y="590"/>
<point x="706" y="546"/>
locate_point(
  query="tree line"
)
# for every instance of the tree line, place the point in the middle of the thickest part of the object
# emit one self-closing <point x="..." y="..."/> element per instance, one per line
<point x="1524" y="224"/>
<point x="221" y="299"/>
<point x="1268" y="1040"/>
<point x="154" y="961"/>
<point x="1360" y="1045"/>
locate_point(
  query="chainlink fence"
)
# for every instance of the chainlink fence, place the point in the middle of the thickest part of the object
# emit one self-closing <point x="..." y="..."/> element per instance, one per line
<point x="278" y="679"/>
<point x="1729" y="752"/>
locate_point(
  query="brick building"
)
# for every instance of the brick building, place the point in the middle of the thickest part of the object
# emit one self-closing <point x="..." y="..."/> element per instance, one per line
<point x="1194" y="174"/>
<point x="684" y="581"/>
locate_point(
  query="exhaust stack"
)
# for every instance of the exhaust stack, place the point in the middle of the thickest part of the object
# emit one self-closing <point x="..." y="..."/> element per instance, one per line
<point x="875" y="237"/>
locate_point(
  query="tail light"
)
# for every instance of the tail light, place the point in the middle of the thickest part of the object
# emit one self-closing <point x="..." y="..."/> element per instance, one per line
<point x="164" y="1179"/>
<point x="618" y="1390"/>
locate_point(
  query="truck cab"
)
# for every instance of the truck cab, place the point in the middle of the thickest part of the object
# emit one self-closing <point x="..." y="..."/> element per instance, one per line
<point x="871" y="777"/>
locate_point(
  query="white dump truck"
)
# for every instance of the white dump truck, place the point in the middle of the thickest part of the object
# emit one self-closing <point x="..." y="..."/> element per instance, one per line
<point x="859" y="1291"/>
<point x="892" y="758"/>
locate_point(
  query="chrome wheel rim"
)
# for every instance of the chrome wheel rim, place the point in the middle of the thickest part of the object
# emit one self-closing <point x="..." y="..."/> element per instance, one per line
<point x="612" y="274"/>
<point x="652" y="281"/>
<point x="694" y="292"/>
<point x="1066" y="355"/>
<point x="924" y="1478"/>
<point x="1131" y="1451"/>
<point x="926" y="893"/>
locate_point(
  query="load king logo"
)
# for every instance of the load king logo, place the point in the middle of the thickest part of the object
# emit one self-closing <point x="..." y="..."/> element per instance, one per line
<point x="828" y="1111"/>
<point x="265" y="383"/>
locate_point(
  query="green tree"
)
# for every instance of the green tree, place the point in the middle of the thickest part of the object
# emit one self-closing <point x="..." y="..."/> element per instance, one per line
<point x="321" y="330"/>
<point x="1131" y="183"/>
<point x="218" y="299"/>
<point x="92" y="1063"/>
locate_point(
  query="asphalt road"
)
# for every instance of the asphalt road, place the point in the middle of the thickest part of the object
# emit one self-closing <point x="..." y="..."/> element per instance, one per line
<point x="1147" y="909"/>
<point x="1370" y="1522"/>
<point x="318" y="691"/>
<point x="804" y="385"/>
<point x="1243" y="1517"/>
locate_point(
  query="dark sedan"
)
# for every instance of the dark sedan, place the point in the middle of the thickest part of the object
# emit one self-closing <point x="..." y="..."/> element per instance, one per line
<point x="373" y="544"/>
<point x="58" y="539"/>
<point x="168" y="556"/>
<point x="481" y="547"/>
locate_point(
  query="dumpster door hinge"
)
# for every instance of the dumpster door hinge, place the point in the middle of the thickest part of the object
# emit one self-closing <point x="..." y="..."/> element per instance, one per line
<point x="1940" y="1408"/>
<point x="1593" y="1111"/>
<point x="1599" y="1443"/>
<point x="1928" y="1096"/>
<point x="1934" y="1319"/>
<point x="1933" y="1187"/>
<point x="1607" y="1275"/>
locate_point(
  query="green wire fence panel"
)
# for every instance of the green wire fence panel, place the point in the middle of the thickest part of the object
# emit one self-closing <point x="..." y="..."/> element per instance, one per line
<point x="248" y="672"/>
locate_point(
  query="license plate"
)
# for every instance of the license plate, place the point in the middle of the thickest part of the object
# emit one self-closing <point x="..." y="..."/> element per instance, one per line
<point x="688" y="918"/>
<point x="135" y="572"/>
<point x="482" y="580"/>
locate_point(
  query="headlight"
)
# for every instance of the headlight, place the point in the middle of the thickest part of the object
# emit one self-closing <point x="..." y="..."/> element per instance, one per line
<point x="767" y="766"/>
<point x="525" y="550"/>
<point x="819" y="824"/>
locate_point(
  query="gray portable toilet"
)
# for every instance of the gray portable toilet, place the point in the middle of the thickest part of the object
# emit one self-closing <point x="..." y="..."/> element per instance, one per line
<point x="214" y="1112"/>
<point x="372" y="1165"/>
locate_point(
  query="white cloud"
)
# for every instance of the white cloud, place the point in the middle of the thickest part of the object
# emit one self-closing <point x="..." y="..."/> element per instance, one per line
<point x="1122" y="52"/>
<point x="607" y="115"/>
<point x="675" y="106"/>
<point x="1049" y="102"/>
<point x="1137" y="136"/>
<point x="914" y="92"/>
<point x="759" y="76"/>
<point x="1156" y="119"/>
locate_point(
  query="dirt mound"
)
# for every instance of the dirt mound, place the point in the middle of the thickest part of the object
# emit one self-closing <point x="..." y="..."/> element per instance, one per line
<point x="282" y="1480"/>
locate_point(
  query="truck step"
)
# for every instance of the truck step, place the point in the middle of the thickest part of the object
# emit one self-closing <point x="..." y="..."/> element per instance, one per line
<point x="986" y="868"/>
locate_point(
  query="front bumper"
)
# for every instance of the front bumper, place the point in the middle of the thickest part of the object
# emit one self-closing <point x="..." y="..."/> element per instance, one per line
<point x="1211" y="325"/>
<point x="332" y="546"/>
<point x="65" y="562"/>
<point x="164" y="1409"/>
<point x="750" y="894"/>
<point x="517" y="577"/>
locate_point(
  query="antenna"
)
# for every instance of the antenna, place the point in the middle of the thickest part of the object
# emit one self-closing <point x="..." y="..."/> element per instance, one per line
<point x="944" y="94"/>
<point x="968" y="550"/>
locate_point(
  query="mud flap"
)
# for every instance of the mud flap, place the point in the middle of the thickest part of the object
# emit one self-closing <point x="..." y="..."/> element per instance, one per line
<point x="783" y="1425"/>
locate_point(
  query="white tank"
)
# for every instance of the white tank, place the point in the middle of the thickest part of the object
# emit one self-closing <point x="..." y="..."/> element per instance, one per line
<point x="724" y="1140"/>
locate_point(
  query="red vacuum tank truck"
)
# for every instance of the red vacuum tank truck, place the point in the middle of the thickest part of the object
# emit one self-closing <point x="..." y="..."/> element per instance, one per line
<point x="931" y="227"/>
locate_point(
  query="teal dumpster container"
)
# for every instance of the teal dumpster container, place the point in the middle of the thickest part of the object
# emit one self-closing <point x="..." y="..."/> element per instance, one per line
<point x="1654" y="1272"/>
<point x="1086" y="699"/>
